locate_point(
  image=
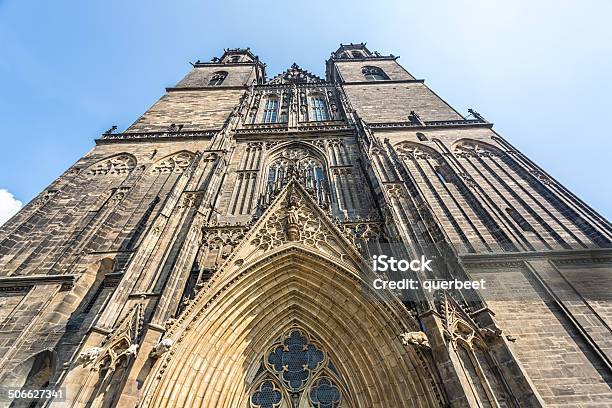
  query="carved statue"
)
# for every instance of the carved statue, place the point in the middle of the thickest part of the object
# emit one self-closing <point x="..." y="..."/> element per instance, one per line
<point x="161" y="348"/>
<point x="415" y="338"/>
<point x="89" y="355"/>
<point x="292" y="216"/>
<point x="132" y="350"/>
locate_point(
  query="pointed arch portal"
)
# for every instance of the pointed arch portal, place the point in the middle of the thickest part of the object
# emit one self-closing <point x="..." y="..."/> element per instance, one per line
<point x="218" y="362"/>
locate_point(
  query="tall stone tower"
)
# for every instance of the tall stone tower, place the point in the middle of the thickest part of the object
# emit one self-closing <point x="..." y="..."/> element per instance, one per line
<point x="217" y="253"/>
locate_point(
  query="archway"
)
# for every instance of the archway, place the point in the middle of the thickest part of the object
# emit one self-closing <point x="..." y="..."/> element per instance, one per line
<point x="221" y="342"/>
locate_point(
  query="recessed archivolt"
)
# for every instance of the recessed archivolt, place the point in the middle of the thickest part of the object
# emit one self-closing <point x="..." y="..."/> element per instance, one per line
<point x="220" y="345"/>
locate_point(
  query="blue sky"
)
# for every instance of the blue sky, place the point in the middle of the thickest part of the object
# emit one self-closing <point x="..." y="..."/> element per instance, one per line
<point x="540" y="70"/>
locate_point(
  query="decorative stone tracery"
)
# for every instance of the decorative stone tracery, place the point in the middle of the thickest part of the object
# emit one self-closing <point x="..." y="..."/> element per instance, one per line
<point x="297" y="369"/>
<point x="120" y="164"/>
<point x="176" y="163"/>
<point x="295" y="223"/>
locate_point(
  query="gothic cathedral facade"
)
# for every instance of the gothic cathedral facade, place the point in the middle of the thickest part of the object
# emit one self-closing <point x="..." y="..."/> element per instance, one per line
<point x="217" y="253"/>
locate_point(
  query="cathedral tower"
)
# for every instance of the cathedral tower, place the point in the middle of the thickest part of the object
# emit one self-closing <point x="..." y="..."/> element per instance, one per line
<point x="218" y="253"/>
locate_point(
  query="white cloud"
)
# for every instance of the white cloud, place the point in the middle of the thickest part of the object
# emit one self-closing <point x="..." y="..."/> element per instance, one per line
<point x="9" y="205"/>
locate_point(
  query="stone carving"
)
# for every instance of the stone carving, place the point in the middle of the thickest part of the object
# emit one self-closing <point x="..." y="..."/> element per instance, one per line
<point x="468" y="180"/>
<point x="472" y="149"/>
<point x="491" y="332"/>
<point x="161" y="348"/>
<point x="295" y="222"/>
<point x="177" y="163"/>
<point x="120" y="164"/>
<point x="132" y="350"/>
<point x="191" y="199"/>
<point x="45" y="197"/>
<point x="415" y="338"/>
<point x="111" y="130"/>
<point x="223" y="238"/>
<point x="541" y="177"/>
<point x="122" y="343"/>
<point x="295" y="75"/>
<point x="365" y="230"/>
<point x="89" y="355"/>
<point x="395" y="191"/>
<point x="406" y="150"/>
<point x="119" y="195"/>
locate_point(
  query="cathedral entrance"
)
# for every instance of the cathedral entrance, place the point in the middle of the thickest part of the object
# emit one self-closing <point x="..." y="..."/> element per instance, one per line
<point x="294" y="329"/>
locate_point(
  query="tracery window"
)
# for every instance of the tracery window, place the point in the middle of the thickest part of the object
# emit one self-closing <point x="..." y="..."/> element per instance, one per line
<point x="325" y="394"/>
<point x="374" y="74"/>
<point x="556" y="219"/>
<point x="217" y="78"/>
<point x="267" y="395"/>
<point x="440" y="184"/>
<point x="319" y="108"/>
<point x="270" y="110"/>
<point x="308" y="170"/>
<point x="297" y="369"/>
<point x="120" y="164"/>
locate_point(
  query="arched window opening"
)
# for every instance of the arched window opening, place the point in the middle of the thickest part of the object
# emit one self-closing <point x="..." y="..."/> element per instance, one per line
<point x="374" y="74"/>
<point x="217" y="78"/>
<point x="267" y="395"/>
<point x="235" y="58"/>
<point x="308" y="171"/>
<point x="325" y="394"/>
<point x="429" y="166"/>
<point x="298" y="367"/>
<point x="421" y="137"/>
<point x="319" y="108"/>
<point x="270" y="110"/>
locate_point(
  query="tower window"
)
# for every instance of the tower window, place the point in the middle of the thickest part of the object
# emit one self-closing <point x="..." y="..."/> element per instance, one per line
<point x="235" y="58"/>
<point x="374" y="74"/>
<point x="357" y="54"/>
<point x="319" y="108"/>
<point x="270" y="110"/>
<point x="217" y="78"/>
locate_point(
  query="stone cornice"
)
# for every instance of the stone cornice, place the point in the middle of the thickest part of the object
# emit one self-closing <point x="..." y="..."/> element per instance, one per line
<point x="250" y="130"/>
<point x="286" y="136"/>
<point x="18" y="283"/>
<point x="149" y="136"/>
<point x="224" y="64"/>
<point x="205" y="88"/>
<point x="323" y="84"/>
<point x="429" y="124"/>
<point x="517" y="259"/>
<point x="386" y="81"/>
<point x="365" y="59"/>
